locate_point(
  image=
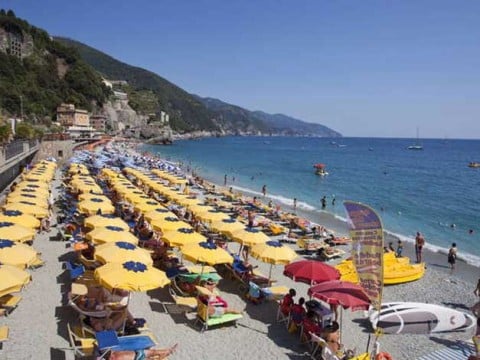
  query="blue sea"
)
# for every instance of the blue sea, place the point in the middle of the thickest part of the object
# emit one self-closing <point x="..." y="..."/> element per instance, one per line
<point x="432" y="191"/>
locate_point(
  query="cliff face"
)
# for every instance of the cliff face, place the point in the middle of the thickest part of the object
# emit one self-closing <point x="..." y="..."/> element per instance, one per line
<point x="121" y="117"/>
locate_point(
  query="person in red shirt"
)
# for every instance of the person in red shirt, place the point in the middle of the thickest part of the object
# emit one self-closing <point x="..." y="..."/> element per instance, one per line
<point x="287" y="302"/>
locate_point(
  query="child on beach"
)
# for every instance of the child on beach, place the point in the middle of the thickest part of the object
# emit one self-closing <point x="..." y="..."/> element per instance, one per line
<point x="399" y="249"/>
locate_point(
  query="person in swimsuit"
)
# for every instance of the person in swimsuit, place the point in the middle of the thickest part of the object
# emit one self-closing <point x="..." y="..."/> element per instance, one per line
<point x="452" y="257"/>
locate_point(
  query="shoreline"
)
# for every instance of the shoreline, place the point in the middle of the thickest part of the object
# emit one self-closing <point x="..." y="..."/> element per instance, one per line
<point x="433" y="258"/>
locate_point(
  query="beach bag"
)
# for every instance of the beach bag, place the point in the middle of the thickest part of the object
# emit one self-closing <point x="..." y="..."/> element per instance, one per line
<point x="293" y="327"/>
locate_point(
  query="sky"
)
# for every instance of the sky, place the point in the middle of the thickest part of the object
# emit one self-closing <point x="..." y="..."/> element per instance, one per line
<point x="364" y="68"/>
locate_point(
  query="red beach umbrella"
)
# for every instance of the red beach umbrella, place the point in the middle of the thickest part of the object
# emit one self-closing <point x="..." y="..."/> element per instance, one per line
<point x="311" y="272"/>
<point x="344" y="293"/>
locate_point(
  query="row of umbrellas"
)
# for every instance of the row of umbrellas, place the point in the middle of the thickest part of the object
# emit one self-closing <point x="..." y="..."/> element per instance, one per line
<point x="20" y="216"/>
<point x="327" y="287"/>
<point x="194" y="246"/>
<point x="125" y="265"/>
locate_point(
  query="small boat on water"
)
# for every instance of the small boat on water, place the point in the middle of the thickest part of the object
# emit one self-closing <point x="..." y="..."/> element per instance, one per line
<point x="417" y="145"/>
<point x="320" y="169"/>
<point x="474" y="164"/>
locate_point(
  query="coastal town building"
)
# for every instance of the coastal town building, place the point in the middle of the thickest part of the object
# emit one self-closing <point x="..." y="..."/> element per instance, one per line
<point x="98" y="122"/>
<point x="76" y="121"/>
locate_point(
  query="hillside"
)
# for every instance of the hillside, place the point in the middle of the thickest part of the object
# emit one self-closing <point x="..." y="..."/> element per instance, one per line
<point x="190" y="112"/>
<point x="37" y="73"/>
<point x="277" y="124"/>
<point x="186" y="112"/>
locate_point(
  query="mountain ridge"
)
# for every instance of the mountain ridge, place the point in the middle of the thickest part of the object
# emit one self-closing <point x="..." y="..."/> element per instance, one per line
<point x="190" y="112"/>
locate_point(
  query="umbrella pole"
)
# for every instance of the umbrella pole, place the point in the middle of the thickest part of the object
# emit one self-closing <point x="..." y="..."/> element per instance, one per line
<point x="341" y="323"/>
<point x="270" y="273"/>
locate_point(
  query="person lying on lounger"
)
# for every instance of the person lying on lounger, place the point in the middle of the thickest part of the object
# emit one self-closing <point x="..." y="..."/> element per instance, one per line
<point x="147" y="354"/>
<point x="217" y="306"/>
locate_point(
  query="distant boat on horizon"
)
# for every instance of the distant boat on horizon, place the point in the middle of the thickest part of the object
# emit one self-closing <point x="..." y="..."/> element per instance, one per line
<point x="417" y="145"/>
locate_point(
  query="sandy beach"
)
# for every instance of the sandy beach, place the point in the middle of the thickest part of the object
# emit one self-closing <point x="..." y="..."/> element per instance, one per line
<point x="38" y="325"/>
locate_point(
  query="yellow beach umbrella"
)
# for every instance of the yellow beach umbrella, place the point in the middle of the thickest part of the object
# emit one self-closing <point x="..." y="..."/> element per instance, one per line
<point x="200" y="208"/>
<point x="206" y="253"/>
<point x="273" y="253"/>
<point x="90" y="195"/>
<point x="26" y="197"/>
<point x="12" y="279"/>
<point x="20" y="218"/>
<point x="120" y="252"/>
<point x="227" y="226"/>
<point x="249" y="236"/>
<point x="34" y="186"/>
<point x="212" y="216"/>
<point x="158" y="213"/>
<point x="187" y="200"/>
<point x="26" y="190"/>
<point x="131" y="276"/>
<point x="183" y="236"/>
<point x="168" y="224"/>
<point x="147" y="206"/>
<point x="103" y="220"/>
<point x="109" y="234"/>
<point x="16" y="254"/>
<point x="27" y="207"/>
<point x="135" y="196"/>
<point x="93" y="205"/>
<point x="15" y="232"/>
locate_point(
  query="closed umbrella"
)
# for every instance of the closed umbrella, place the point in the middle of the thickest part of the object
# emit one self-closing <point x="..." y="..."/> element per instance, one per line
<point x="131" y="276"/>
<point x="15" y="232"/>
<point x="111" y="234"/>
<point x="121" y="251"/>
<point x="311" y="272"/>
<point x="12" y="279"/>
<point x="20" y="218"/>
<point x="16" y="254"/>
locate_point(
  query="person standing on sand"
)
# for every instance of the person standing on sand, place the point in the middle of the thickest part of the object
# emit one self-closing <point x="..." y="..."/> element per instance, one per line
<point x="294" y="204"/>
<point x="452" y="257"/>
<point x="264" y="190"/>
<point x="225" y="180"/>
<point x="419" y="244"/>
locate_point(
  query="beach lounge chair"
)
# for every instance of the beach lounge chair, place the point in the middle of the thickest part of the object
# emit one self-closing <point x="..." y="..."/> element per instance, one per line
<point x="4" y="330"/>
<point x="188" y="303"/>
<point x="78" y="292"/>
<point x="108" y="341"/>
<point x="9" y="302"/>
<point x="81" y="345"/>
<point x="202" y="312"/>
